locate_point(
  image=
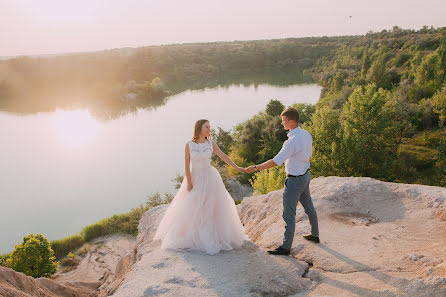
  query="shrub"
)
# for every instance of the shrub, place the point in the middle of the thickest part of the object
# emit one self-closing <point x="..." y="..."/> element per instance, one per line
<point x="268" y="180"/>
<point x="3" y="260"/>
<point x="34" y="257"/>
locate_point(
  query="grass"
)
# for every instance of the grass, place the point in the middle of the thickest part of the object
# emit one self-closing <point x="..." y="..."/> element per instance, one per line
<point x="126" y="223"/>
<point x="423" y="158"/>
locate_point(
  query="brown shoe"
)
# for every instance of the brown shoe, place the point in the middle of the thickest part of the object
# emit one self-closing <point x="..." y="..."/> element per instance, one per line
<point x="311" y="238"/>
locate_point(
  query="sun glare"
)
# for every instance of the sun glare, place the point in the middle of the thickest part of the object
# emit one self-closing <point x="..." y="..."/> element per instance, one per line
<point x="75" y="128"/>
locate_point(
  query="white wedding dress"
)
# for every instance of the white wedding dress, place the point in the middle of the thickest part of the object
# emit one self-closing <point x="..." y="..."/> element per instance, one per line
<point x="205" y="218"/>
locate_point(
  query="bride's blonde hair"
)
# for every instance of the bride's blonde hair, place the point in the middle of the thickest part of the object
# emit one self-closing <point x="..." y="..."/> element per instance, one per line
<point x="197" y="129"/>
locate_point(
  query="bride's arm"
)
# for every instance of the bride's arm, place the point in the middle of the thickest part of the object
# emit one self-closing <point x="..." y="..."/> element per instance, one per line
<point x="225" y="157"/>
<point x="187" y="167"/>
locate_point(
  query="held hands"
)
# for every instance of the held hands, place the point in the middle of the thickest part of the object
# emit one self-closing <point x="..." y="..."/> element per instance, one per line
<point x="240" y="169"/>
<point x="250" y="169"/>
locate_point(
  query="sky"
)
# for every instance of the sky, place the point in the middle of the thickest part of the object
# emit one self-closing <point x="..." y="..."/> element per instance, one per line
<point x="32" y="27"/>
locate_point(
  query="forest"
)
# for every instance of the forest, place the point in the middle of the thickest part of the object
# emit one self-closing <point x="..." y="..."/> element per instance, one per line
<point x="381" y="113"/>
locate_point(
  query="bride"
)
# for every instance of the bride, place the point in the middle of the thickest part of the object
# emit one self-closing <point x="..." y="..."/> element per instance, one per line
<point x="202" y="215"/>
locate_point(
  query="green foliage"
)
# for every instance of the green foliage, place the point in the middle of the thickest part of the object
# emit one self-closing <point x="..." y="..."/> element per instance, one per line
<point x="268" y="180"/>
<point x="115" y="224"/>
<point x="325" y="130"/>
<point x="400" y="59"/>
<point x="158" y="87"/>
<point x="156" y="199"/>
<point x="102" y="81"/>
<point x="224" y="141"/>
<point x="3" y="260"/>
<point x="378" y="73"/>
<point x="365" y="63"/>
<point x="338" y="82"/>
<point x="439" y="106"/>
<point x="430" y="69"/>
<point x="274" y="108"/>
<point x="367" y="141"/>
<point x="126" y="222"/>
<point x="34" y="257"/>
<point x="257" y="140"/>
<point x="423" y="158"/>
<point x="305" y="111"/>
<point x="62" y="246"/>
<point x="177" y="180"/>
<point x="410" y="65"/>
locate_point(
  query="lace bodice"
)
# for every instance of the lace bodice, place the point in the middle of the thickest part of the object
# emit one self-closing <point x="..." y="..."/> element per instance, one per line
<point x="200" y="154"/>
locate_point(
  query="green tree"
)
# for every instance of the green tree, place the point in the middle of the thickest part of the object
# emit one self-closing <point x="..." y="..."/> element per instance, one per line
<point x="224" y="141"/>
<point x="367" y="142"/>
<point x="274" y="108"/>
<point x="430" y="69"/>
<point x="404" y="112"/>
<point x="378" y="74"/>
<point x="365" y="63"/>
<point x="33" y="257"/>
<point x="325" y="130"/>
<point x="305" y="111"/>
<point x="439" y="104"/>
<point x="338" y="82"/>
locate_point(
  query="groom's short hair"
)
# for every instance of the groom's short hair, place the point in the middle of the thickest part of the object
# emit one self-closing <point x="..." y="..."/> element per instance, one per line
<point x="291" y="114"/>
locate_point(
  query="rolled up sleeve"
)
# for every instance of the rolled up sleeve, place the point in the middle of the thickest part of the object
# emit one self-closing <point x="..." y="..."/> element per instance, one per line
<point x="285" y="153"/>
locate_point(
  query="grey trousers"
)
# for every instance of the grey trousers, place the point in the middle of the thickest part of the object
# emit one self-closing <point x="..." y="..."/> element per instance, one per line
<point x="297" y="189"/>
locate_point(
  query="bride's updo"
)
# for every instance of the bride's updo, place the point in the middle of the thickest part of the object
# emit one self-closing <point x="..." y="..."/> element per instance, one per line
<point x="197" y="129"/>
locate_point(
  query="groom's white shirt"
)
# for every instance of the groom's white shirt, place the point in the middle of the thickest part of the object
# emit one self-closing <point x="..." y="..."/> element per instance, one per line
<point x="295" y="152"/>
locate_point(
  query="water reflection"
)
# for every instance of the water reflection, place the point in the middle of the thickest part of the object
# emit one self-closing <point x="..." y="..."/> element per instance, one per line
<point x="65" y="169"/>
<point x="75" y="128"/>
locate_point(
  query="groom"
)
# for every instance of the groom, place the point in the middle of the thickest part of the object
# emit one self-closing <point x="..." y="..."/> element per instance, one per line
<point x="295" y="153"/>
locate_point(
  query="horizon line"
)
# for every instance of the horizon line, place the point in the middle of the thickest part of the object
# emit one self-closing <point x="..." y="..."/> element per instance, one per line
<point x="198" y="42"/>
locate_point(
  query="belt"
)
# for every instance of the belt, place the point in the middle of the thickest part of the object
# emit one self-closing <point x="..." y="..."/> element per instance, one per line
<point x="290" y="175"/>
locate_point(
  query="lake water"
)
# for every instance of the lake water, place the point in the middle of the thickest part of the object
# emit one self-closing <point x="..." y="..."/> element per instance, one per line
<point x="63" y="170"/>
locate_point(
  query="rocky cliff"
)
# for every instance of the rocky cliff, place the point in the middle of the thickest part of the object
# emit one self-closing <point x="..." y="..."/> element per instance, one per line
<point x="377" y="239"/>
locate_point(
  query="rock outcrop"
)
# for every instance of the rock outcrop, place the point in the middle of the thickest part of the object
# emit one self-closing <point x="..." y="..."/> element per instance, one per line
<point x="97" y="260"/>
<point x="377" y="239"/>
<point x="17" y="284"/>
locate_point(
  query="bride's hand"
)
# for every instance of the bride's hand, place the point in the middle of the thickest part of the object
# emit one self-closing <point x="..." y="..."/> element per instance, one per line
<point x="189" y="187"/>
<point x="240" y="169"/>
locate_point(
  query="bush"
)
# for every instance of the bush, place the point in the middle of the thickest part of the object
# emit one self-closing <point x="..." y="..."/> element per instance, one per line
<point x="268" y="180"/>
<point x="155" y="199"/>
<point x="34" y="257"/>
<point x="3" y="260"/>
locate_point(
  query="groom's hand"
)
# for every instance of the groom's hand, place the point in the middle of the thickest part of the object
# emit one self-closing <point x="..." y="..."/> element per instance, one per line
<point x="250" y="169"/>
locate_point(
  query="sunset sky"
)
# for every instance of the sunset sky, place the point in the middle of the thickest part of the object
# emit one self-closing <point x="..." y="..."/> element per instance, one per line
<point x="29" y="27"/>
